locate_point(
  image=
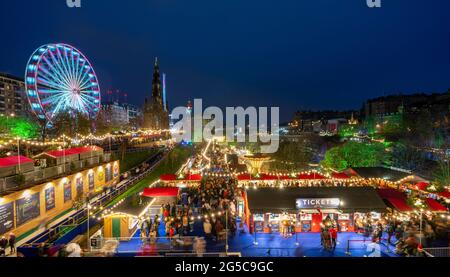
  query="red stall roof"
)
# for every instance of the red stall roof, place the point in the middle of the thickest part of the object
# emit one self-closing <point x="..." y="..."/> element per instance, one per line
<point x="399" y="204"/>
<point x="268" y="177"/>
<point x="435" y="206"/>
<point x="72" y="151"/>
<point x="244" y="177"/>
<point x="14" y="160"/>
<point x="193" y="177"/>
<point x="445" y="194"/>
<point x="311" y="176"/>
<point x="340" y="175"/>
<point x="422" y="186"/>
<point x="160" y="192"/>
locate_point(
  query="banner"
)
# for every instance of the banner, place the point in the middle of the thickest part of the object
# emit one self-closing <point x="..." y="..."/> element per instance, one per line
<point x="6" y="218"/>
<point x="50" y="202"/>
<point x="79" y="187"/>
<point x="108" y="174"/>
<point x="27" y="209"/>
<point x="91" y="181"/>
<point x="67" y="191"/>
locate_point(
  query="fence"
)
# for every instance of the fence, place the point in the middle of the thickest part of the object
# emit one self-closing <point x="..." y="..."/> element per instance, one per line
<point x="437" y="252"/>
<point x="366" y="247"/>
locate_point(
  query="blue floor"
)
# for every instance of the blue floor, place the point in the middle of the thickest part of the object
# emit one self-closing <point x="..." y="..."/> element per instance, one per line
<point x="268" y="245"/>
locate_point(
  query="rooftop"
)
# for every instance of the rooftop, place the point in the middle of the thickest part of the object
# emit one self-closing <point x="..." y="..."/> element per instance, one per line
<point x="14" y="160"/>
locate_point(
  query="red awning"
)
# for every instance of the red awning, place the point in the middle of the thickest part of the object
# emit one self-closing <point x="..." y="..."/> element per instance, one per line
<point x="14" y="160"/>
<point x="311" y="176"/>
<point x="72" y="151"/>
<point x="268" y="177"/>
<point x="435" y="206"/>
<point x="161" y="192"/>
<point x="445" y="194"/>
<point x="422" y="186"/>
<point x="193" y="177"/>
<point x="244" y="177"/>
<point x="399" y="204"/>
<point x="168" y="177"/>
<point x="340" y="175"/>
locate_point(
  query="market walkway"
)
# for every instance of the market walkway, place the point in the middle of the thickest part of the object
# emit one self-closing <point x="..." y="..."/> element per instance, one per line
<point x="273" y="245"/>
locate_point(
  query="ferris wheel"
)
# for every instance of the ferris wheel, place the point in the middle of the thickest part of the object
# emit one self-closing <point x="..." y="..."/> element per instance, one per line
<point x="59" y="78"/>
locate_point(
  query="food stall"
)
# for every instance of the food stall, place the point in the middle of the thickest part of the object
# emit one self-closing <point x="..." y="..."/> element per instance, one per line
<point x="123" y="221"/>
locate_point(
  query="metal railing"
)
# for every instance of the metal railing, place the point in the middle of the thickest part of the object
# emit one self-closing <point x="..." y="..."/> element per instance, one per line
<point x="437" y="252"/>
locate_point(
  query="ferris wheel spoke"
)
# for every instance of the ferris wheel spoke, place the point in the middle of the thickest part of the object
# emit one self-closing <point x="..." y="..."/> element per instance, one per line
<point x="57" y="69"/>
<point x="80" y="70"/>
<point x="61" y="70"/>
<point x="88" y="103"/>
<point x="44" y="83"/>
<point x="64" y="63"/>
<point x="86" y="85"/>
<point x="55" y="75"/>
<point x="88" y="97"/>
<point x="44" y="73"/>
<point x="83" y="82"/>
<point x="54" y="99"/>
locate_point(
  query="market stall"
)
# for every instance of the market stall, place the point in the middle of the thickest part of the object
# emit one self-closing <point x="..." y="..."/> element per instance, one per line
<point x="306" y="208"/>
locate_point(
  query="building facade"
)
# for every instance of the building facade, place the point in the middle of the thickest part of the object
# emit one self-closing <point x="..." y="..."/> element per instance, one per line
<point x="12" y="96"/>
<point x="115" y="114"/>
<point x="156" y="114"/>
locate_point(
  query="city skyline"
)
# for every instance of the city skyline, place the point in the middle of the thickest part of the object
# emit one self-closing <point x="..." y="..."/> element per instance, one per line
<point x="279" y="58"/>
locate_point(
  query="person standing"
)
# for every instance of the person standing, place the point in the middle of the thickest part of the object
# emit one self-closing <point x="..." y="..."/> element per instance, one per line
<point x="207" y="228"/>
<point x="3" y="244"/>
<point x="12" y="243"/>
<point x="333" y="235"/>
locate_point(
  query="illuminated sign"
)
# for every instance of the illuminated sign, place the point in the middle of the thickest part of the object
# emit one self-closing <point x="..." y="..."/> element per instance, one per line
<point x="317" y="203"/>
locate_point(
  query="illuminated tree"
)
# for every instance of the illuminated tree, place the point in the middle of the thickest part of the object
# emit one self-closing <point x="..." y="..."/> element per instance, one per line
<point x="355" y="154"/>
<point x="18" y="127"/>
<point x="347" y="130"/>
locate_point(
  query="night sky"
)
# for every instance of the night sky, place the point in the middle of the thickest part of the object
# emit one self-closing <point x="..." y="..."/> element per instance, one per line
<point x="295" y="54"/>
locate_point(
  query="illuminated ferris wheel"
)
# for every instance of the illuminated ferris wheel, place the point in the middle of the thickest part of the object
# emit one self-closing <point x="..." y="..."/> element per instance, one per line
<point x="59" y="78"/>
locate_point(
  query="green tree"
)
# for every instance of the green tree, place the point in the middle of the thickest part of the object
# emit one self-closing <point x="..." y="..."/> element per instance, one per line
<point x="407" y="157"/>
<point x="347" y="130"/>
<point x="355" y="154"/>
<point x="18" y="127"/>
<point x="71" y="123"/>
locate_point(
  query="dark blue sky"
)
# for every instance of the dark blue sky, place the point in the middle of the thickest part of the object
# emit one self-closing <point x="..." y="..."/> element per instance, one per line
<point x="317" y="54"/>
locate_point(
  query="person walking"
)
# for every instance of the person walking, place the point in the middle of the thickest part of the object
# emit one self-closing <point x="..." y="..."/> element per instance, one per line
<point x="12" y="243"/>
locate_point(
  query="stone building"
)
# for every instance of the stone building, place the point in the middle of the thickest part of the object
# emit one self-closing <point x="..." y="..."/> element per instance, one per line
<point x="156" y="114"/>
